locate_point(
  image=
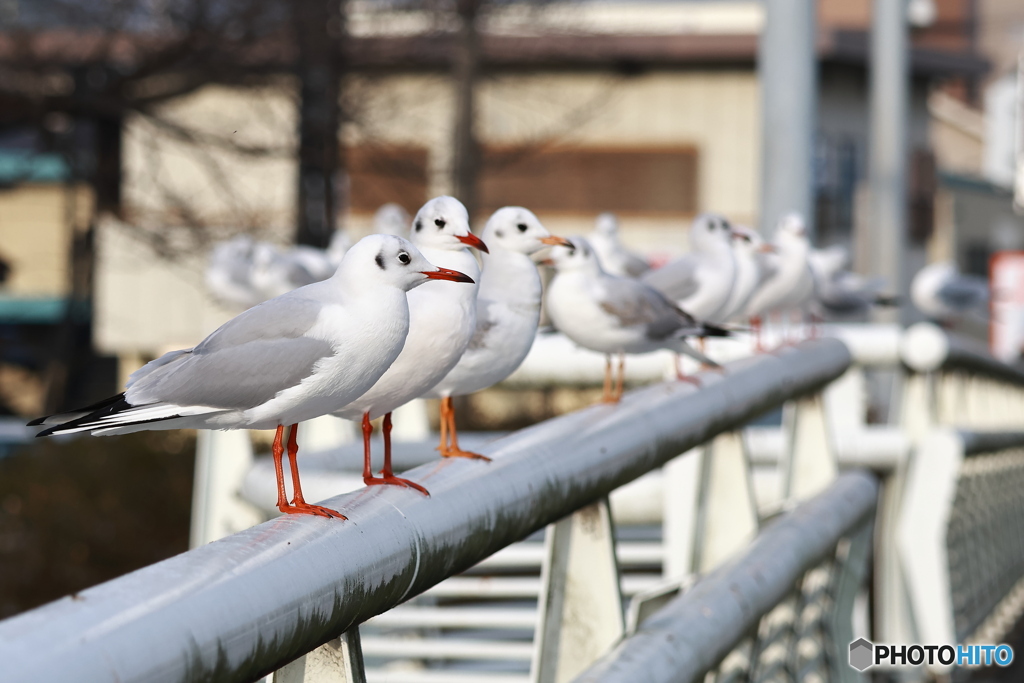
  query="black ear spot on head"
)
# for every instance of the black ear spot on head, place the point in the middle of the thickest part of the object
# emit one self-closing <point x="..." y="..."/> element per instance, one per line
<point x="419" y="225"/>
<point x="439" y="222"/>
<point x="379" y="259"/>
<point x="522" y="227"/>
<point x="499" y="233"/>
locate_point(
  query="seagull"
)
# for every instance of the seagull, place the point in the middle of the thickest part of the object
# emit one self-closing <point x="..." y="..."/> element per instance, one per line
<point x="615" y="258"/>
<point x="441" y="324"/>
<point x="616" y="315"/>
<point x="840" y="293"/>
<point x="755" y="263"/>
<point x="391" y="219"/>
<point x="791" y="287"/>
<point x="227" y="272"/>
<point x="941" y="292"/>
<point x="507" y="313"/>
<point x="701" y="281"/>
<point x="291" y="358"/>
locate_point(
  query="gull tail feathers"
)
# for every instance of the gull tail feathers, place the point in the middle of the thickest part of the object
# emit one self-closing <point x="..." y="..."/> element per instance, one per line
<point x="687" y="350"/>
<point x="115" y="413"/>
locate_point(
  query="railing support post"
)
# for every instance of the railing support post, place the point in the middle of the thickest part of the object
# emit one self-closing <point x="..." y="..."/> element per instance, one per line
<point x="222" y="461"/>
<point x="337" y="661"/>
<point x="921" y="534"/>
<point x="810" y="464"/>
<point x="580" y="605"/>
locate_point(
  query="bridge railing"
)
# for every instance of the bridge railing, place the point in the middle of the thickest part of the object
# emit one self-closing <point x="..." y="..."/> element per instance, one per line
<point x="286" y="595"/>
<point x="248" y="604"/>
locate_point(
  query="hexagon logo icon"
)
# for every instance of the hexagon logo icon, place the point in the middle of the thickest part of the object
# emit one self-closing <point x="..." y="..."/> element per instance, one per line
<point x="861" y="654"/>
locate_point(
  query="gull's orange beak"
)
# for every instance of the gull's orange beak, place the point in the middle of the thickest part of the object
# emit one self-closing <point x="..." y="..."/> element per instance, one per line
<point x="474" y="241"/>
<point x="448" y="274"/>
<point x="556" y="241"/>
<point x="767" y="248"/>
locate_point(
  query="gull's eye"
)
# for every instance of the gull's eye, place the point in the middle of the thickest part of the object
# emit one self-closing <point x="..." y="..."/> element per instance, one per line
<point x="404" y="258"/>
<point x="572" y="251"/>
<point x="522" y="227"/>
<point x="439" y="222"/>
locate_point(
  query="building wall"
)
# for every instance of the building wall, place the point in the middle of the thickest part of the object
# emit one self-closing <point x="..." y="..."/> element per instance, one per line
<point x="36" y="224"/>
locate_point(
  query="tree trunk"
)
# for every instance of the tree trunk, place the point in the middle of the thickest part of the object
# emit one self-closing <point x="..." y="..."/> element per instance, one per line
<point x="466" y="153"/>
<point x="319" y="28"/>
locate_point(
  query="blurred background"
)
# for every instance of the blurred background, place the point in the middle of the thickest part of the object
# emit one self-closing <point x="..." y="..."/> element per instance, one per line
<point x="135" y="135"/>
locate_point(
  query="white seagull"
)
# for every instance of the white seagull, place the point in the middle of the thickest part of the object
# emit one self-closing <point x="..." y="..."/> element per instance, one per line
<point x="441" y="323"/>
<point x="292" y="358"/>
<point x="791" y="288"/>
<point x="615" y="315"/>
<point x="702" y="280"/>
<point x="507" y="313"/>
<point x="615" y="258"/>
<point x="755" y="263"/>
<point x="941" y="292"/>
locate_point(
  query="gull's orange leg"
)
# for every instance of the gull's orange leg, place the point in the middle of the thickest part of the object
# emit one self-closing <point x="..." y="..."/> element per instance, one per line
<point x="443" y="425"/>
<point x="622" y="377"/>
<point x="453" y="451"/>
<point x="299" y="504"/>
<point x="682" y="376"/>
<point x="607" y="396"/>
<point x="387" y="475"/>
<point x="755" y="324"/>
<point x="277" y="450"/>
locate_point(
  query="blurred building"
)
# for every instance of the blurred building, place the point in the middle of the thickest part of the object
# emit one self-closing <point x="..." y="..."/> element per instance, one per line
<point x="647" y="109"/>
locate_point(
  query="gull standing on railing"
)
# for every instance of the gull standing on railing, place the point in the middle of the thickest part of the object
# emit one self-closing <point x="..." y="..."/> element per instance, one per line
<point x="507" y="313"/>
<point x="293" y="358"/>
<point x="755" y="263"/>
<point x="701" y="281"/>
<point x="791" y="288"/>
<point x="942" y="293"/>
<point x="839" y="293"/>
<point x="616" y="315"/>
<point x="615" y="258"/>
<point x="441" y="323"/>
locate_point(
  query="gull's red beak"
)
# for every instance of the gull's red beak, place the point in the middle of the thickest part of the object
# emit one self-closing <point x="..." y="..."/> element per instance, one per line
<point x="474" y="241"/>
<point x="556" y="241"/>
<point x="767" y="248"/>
<point x="448" y="274"/>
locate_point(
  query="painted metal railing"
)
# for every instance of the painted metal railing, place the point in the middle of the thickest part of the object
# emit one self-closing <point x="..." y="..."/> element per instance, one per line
<point x="286" y="596"/>
<point x="248" y="604"/>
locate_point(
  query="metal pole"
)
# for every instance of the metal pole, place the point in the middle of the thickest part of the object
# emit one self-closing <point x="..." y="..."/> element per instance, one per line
<point x="245" y="605"/>
<point x="787" y="69"/>
<point x="890" y="81"/>
<point x="691" y="634"/>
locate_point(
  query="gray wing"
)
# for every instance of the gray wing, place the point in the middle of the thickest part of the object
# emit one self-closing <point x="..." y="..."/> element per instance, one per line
<point x="243" y="364"/>
<point x="634" y="303"/>
<point x="676" y="279"/>
<point x="964" y="292"/>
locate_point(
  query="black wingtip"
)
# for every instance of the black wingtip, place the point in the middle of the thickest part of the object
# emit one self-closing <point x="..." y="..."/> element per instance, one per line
<point x="107" y="406"/>
<point x="716" y="331"/>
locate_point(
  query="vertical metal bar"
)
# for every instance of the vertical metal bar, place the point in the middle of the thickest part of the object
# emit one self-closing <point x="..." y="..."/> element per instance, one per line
<point x="337" y="661"/>
<point x="787" y="69"/>
<point x="890" y="80"/>
<point x="810" y="464"/>
<point x="728" y="514"/>
<point x="580" y="606"/>
<point x="222" y="461"/>
<point x="680" y="521"/>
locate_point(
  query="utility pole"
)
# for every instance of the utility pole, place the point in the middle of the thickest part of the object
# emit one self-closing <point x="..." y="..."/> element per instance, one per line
<point x="887" y="175"/>
<point x="787" y="69"/>
<point x="466" y="67"/>
<point x="318" y="30"/>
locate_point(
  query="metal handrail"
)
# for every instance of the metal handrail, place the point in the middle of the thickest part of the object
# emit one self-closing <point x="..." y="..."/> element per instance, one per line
<point x="695" y="631"/>
<point x="245" y="605"/>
